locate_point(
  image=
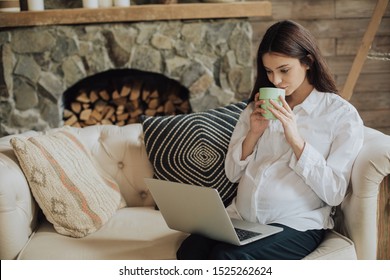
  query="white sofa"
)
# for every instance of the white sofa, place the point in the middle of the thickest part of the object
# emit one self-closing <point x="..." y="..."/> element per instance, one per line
<point x="139" y="231"/>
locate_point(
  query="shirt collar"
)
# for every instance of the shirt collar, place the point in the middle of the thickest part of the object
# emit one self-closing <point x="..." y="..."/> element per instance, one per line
<point x="311" y="101"/>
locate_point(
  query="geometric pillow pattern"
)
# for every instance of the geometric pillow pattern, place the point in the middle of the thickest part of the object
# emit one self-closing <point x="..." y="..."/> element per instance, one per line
<point x="191" y="148"/>
<point x="73" y="196"/>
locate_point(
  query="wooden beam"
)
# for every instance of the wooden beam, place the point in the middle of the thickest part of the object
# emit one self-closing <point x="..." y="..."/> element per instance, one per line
<point x="365" y="46"/>
<point x="137" y="13"/>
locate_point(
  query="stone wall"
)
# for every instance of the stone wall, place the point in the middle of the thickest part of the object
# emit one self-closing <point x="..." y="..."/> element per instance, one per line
<point x="212" y="58"/>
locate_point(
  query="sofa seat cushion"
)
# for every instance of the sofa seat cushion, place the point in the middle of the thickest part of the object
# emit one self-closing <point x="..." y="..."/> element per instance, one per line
<point x="334" y="247"/>
<point x="136" y="233"/>
<point x="140" y="233"/>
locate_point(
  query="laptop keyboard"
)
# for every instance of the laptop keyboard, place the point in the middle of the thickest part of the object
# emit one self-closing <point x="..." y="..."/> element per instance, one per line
<point x="245" y="234"/>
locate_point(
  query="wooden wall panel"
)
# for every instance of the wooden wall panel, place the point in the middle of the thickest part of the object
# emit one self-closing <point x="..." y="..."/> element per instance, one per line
<point x="327" y="46"/>
<point x="347" y="46"/>
<point x="356" y="8"/>
<point x="303" y="9"/>
<point x="378" y="118"/>
<point x="328" y="28"/>
<point x="369" y="101"/>
<point x="342" y="64"/>
<point x="382" y="44"/>
<point x="370" y="82"/>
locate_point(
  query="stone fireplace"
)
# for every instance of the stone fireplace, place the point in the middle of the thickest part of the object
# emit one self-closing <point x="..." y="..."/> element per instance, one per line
<point x="212" y="58"/>
<point x="122" y="96"/>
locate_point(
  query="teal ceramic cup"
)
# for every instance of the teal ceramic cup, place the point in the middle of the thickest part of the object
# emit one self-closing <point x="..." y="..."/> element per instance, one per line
<point x="267" y="94"/>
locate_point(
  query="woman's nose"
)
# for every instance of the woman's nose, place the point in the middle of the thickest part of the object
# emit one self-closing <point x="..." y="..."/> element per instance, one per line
<point x="276" y="79"/>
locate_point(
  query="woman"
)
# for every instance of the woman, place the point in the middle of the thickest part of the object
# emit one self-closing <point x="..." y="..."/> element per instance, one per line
<point x="291" y="171"/>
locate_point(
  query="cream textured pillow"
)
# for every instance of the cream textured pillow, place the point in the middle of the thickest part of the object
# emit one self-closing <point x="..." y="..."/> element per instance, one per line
<point x="73" y="196"/>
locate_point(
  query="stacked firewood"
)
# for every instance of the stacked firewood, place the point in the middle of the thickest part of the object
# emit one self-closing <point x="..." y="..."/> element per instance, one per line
<point x="121" y="107"/>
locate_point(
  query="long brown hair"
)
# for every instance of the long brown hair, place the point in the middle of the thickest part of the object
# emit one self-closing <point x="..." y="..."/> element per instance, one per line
<point x="293" y="40"/>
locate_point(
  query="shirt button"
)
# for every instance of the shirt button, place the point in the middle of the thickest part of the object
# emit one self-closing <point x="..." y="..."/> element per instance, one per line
<point x="121" y="165"/>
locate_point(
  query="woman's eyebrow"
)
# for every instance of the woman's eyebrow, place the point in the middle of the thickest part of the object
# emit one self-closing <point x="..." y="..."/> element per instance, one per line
<point x="281" y="66"/>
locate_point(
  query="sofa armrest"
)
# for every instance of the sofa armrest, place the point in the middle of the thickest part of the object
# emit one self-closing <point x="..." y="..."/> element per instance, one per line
<point x="360" y="207"/>
<point x="18" y="209"/>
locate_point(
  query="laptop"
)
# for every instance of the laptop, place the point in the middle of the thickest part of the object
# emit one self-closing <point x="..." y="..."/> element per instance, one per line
<point x="200" y="210"/>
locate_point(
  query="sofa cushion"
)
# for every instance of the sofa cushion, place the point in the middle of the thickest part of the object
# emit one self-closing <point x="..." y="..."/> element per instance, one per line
<point x="192" y="148"/>
<point x="140" y="233"/>
<point x="133" y="233"/>
<point x="334" y="247"/>
<point x="121" y="153"/>
<point x="72" y="194"/>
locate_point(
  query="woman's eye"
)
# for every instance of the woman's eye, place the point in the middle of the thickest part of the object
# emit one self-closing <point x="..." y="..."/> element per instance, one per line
<point x="284" y="71"/>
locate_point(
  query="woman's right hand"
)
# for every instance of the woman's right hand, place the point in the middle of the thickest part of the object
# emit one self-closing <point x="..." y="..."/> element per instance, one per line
<point x="258" y="123"/>
<point x="257" y="126"/>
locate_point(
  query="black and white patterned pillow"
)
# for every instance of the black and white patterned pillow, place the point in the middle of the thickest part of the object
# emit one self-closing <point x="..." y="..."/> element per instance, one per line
<point x="192" y="148"/>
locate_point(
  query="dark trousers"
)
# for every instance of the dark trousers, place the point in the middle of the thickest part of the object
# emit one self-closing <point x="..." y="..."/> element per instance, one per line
<point x="289" y="244"/>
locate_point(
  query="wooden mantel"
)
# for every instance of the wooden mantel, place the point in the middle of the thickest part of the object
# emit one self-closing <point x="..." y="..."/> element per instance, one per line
<point x="137" y="13"/>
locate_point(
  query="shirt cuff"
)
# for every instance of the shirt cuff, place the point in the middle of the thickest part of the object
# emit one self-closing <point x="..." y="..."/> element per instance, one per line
<point x="237" y="153"/>
<point x="307" y="159"/>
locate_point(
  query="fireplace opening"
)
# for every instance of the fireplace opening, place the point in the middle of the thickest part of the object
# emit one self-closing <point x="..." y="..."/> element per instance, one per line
<point x="121" y="96"/>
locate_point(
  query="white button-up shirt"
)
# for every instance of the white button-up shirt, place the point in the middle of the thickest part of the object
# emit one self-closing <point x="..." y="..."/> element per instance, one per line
<point x="275" y="187"/>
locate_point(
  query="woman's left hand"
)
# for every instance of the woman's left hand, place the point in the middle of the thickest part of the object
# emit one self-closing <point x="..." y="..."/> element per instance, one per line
<point x="287" y="117"/>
